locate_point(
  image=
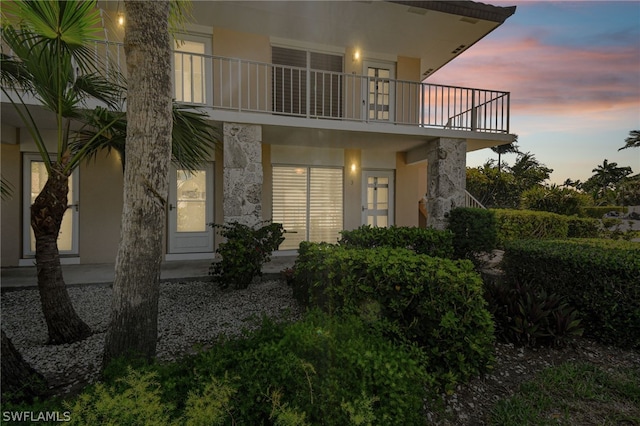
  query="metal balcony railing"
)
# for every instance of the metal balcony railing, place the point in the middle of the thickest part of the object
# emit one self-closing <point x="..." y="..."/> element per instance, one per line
<point x="250" y="86"/>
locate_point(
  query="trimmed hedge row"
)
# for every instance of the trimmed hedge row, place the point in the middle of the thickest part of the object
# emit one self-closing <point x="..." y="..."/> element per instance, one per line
<point x="597" y="212"/>
<point x="600" y="278"/>
<point x="478" y="230"/>
<point x="437" y="303"/>
<point x="525" y="224"/>
<point x="427" y="241"/>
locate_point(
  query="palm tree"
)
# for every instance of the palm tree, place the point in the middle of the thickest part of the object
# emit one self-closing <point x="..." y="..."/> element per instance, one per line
<point x="509" y="148"/>
<point x="633" y="141"/>
<point x="51" y="62"/>
<point x="606" y="177"/>
<point x="134" y="314"/>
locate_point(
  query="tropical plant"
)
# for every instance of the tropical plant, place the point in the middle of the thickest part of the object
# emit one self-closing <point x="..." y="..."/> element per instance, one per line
<point x="529" y="172"/>
<point x="509" y="148"/>
<point x="633" y="141"/>
<point x="555" y="199"/>
<point x="56" y="67"/>
<point x="136" y="288"/>
<point x="605" y="180"/>
<point x="52" y="62"/>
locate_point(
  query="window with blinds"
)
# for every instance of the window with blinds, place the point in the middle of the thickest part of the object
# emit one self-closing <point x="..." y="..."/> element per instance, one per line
<point x="306" y="83"/>
<point x="308" y="202"/>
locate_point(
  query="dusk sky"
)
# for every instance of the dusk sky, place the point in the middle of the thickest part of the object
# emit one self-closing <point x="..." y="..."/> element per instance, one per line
<point x="573" y="70"/>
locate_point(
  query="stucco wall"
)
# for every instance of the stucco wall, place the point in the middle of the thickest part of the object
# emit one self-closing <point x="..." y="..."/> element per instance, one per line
<point x="10" y="214"/>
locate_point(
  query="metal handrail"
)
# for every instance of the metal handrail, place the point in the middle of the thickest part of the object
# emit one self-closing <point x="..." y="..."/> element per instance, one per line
<point x="252" y="86"/>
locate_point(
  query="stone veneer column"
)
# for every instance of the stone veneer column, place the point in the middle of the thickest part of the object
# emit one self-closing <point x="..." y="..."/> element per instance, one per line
<point x="446" y="179"/>
<point x="242" y="173"/>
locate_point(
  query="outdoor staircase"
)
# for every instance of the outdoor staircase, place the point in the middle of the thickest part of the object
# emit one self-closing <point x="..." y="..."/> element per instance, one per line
<point x="469" y="201"/>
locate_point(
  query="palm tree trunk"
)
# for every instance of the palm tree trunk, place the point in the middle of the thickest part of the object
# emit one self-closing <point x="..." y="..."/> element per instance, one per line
<point x="19" y="379"/>
<point x="63" y="323"/>
<point x="134" y="315"/>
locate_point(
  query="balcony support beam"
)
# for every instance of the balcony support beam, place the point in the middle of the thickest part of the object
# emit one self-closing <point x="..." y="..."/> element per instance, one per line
<point x="446" y="179"/>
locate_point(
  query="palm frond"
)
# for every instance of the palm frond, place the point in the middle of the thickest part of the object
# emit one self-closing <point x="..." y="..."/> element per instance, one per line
<point x="194" y="138"/>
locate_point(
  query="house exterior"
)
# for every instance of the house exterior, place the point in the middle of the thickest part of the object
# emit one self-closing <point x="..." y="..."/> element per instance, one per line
<point x="326" y="125"/>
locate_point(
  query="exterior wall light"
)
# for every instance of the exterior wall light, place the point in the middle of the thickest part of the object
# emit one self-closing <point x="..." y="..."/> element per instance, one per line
<point x="356" y="55"/>
<point x="353" y="167"/>
<point x="121" y="19"/>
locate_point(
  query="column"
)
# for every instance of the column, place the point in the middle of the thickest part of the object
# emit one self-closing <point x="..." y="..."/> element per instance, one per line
<point x="242" y="173"/>
<point x="446" y="179"/>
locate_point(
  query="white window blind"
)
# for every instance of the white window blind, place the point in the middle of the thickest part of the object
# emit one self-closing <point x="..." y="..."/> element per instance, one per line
<point x="308" y="201"/>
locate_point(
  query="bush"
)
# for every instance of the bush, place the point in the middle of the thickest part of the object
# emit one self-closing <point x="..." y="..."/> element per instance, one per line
<point x="434" y="302"/>
<point x="474" y="231"/>
<point x="321" y="370"/>
<point x="555" y="199"/>
<point x="583" y="227"/>
<point x="428" y="241"/>
<point x="524" y="224"/>
<point x="244" y="252"/>
<point x="597" y="212"/>
<point x="600" y="278"/>
<point x="527" y="315"/>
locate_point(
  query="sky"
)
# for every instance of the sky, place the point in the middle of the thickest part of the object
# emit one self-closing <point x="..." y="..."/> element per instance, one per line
<point x="573" y="70"/>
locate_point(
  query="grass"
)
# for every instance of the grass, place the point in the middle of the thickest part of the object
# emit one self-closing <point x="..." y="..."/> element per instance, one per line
<point x="574" y="394"/>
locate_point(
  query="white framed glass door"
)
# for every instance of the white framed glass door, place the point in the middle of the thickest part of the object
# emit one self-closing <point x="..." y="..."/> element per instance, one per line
<point x="34" y="178"/>
<point x="191" y="210"/>
<point x="380" y="91"/>
<point x="377" y="198"/>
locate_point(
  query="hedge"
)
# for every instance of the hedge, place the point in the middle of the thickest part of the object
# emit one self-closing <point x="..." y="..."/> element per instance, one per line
<point x="600" y="278"/>
<point x="428" y="241"/>
<point x="474" y="231"/>
<point x="597" y="212"/>
<point x="526" y="224"/>
<point x="434" y="302"/>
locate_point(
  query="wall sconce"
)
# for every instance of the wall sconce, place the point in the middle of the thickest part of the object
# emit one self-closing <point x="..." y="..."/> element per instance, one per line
<point x="353" y="167"/>
<point x="356" y="55"/>
<point x="120" y="19"/>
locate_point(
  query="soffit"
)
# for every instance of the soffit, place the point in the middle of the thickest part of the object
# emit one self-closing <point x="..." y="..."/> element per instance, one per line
<point x="375" y="27"/>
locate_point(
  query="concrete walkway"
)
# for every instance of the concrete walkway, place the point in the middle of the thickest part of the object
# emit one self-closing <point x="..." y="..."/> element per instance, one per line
<point x="103" y="273"/>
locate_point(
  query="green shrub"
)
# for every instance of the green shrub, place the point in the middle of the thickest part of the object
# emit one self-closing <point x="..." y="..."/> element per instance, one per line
<point x="474" y="231"/>
<point x="244" y="252"/>
<point x="434" y="302"/>
<point x="600" y="278"/>
<point x="583" y="227"/>
<point x="138" y="402"/>
<point x="525" y="224"/>
<point x="527" y="315"/>
<point x="554" y="199"/>
<point x="428" y="241"/>
<point x="321" y="370"/>
<point x="597" y="212"/>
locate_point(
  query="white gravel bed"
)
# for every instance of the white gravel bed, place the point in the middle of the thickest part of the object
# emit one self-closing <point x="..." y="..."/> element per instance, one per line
<point x="191" y="314"/>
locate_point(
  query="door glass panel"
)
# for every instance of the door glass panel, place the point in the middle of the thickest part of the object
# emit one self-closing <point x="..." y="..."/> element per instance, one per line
<point x="191" y="190"/>
<point x="38" y="179"/>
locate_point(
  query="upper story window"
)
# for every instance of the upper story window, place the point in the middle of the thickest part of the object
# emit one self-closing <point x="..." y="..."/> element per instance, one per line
<point x="190" y="69"/>
<point x="307" y="83"/>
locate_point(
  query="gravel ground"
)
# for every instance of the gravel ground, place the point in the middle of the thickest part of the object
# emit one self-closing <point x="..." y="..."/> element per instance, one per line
<point x="193" y="313"/>
<point x="190" y="314"/>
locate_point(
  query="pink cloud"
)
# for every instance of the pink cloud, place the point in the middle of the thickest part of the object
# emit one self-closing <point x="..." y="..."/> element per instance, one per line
<point x="545" y="79"/>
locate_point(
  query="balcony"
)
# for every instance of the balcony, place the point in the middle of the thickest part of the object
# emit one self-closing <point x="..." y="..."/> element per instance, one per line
<point x="239" y="85"/>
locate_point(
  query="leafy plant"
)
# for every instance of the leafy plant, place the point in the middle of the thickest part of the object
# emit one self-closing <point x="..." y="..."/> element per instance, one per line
<point x="435" y="303"/>
<point x="428" y="241"/>
<point x="244" y="252"/>
<point x="526" y="315"/>
<point x="596" y="276"/>
<point x="555" y="199"/>
<point x="525" y="224"/>
<point x="474" y="231"/>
